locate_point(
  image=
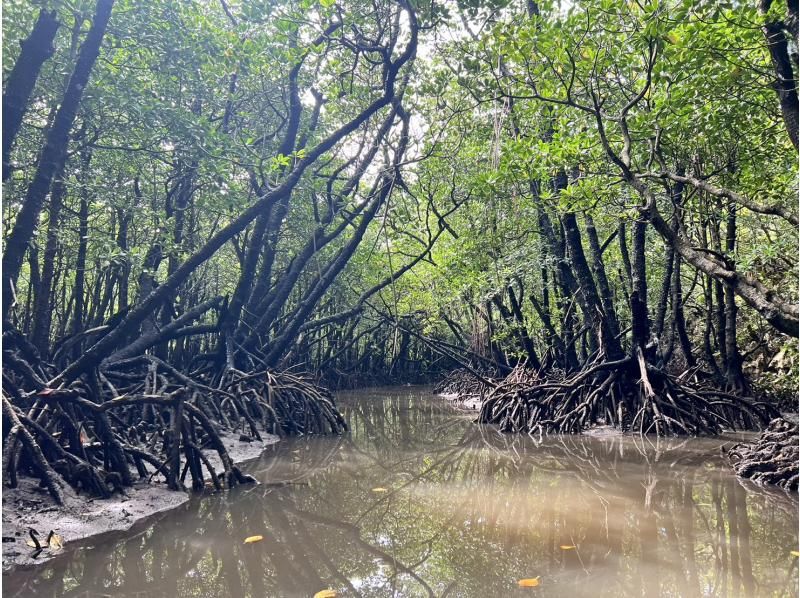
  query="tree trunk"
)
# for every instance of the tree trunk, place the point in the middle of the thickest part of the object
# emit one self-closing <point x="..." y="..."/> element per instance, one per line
<point x="599" y="269"/>
<point x="525" y="339"/>
<point x="124" y="218"/>
<point x="19" y="84"/>
<point x="42" y="310"/>
<point x="785" y="83"/>
<point x="80" y="264"/>
<point x="640" y="318"/>
<point x="678" y="315"/>
<point x="593" y="306"/>
<point x="53" y="154"/>
<point x="733" y="359"/>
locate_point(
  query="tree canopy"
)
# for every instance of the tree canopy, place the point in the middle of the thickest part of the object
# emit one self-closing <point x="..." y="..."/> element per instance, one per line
<point x="201" y="196"/>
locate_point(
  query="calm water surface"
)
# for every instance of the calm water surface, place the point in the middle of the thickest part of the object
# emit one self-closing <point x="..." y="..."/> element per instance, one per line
<point x="418" y="501"/>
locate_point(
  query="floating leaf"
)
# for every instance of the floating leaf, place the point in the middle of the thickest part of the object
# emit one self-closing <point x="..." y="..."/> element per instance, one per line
<point x="529" y="583"/>
<point x="567" y="547"/>
<point x="380" y="490"/>
<point x="326" y="594"/>
<point x="251" y="539"/>
<point x="795" y="553"/>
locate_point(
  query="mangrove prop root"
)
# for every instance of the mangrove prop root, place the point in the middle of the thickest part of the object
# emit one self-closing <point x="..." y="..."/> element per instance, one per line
<point x="628" y="394"/>
<point x="464" y="384"/>
<point x="772" y="458"/>
<point x="46" y="473"/>
<point x="142" y="416"/>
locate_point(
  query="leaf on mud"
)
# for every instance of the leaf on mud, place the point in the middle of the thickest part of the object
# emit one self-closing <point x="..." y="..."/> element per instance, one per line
<point x="56" y="541"/>
<point x="380" y="490"/>
<point x="567" y="547"/>
<point x="795" y="553"/>
<point x="30" y="543"/>
<point x="326" y="594"/>
<point x="529" y="583"/>
<point x="252" y="539"/>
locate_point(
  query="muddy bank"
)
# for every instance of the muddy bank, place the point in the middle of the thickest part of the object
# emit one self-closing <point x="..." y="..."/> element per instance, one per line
<point x="466" y="402"/>
<point x="82" y="517"/>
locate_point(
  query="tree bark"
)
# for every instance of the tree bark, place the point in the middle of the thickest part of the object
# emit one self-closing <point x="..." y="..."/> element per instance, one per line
<point x="599" y="269"/>
<point x="733" y="361"/>
<point x="42" y="310"/>
<point x="593" y="306"/>
<point x="53" y="154"/>
<point x="19" y="84"/>
<point x="640" y="318"/>
<point x="785" y="83"/>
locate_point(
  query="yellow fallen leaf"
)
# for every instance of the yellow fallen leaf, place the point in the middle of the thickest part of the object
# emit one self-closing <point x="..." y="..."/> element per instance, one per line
<point x="326" y="594"/>
<point x="380" y="490"/>
<point x="795" y="553"/>
<point x="56" y="541"/>
<point x="529" y="583"/>
<point x="30" y="543"/>
<point x="567" y="547"/>
<point x="252" y="539"/>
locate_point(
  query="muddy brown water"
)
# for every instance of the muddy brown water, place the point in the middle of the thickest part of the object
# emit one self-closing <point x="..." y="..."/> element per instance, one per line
<point x="418" y="501"/>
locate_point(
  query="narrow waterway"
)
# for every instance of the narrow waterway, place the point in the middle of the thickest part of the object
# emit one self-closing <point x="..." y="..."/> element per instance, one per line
<point x="419" y="501"/>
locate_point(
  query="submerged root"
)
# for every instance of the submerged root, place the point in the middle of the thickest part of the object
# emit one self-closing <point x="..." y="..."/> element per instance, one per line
<point x="772" y="458"/>
<point x="628" y="394"/>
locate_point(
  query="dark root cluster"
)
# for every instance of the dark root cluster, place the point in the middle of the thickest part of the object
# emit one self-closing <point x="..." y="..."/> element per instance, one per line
<point x="143" y="418"/>
<point x="465" y="384"/>
<point x="772" y="458"/>
<point x="627" y="394"/>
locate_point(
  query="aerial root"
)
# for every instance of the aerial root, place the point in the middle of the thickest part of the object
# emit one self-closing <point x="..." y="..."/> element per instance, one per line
<point x="628" y="394"/>
<point x="287" y="403"/>
<point x="772" y="458"/>
<point x="142" y="416"/>
<point x="463" y="383"/>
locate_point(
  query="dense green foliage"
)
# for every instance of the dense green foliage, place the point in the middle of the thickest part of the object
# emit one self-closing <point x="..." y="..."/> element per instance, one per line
<point x="370" y="192"/>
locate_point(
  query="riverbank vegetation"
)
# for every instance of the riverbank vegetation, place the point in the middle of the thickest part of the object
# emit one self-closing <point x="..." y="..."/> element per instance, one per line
<point x="214" y="211"/>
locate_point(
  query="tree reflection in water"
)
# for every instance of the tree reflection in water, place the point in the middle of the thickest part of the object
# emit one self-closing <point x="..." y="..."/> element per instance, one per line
<point x="467" y="511"/>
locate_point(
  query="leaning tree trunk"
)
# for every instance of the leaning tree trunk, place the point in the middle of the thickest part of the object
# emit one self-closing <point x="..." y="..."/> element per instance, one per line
<point x="599" y="270"/>
<point x="53" y="154"/>
<point x="594" y="312"/>
<point x="19" y="84"/>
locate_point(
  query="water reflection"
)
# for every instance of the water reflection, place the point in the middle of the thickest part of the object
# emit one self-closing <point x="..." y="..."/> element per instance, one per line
<point x="418" y="501"/>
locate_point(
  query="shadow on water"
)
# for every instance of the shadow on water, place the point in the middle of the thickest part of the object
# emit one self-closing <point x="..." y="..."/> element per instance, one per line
<point x="418" y="501"/>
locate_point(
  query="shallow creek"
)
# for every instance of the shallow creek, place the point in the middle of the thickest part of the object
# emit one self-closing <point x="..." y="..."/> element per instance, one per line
<point x="418" y="501"/>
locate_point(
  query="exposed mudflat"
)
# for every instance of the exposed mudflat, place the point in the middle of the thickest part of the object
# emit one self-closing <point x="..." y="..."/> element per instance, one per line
<point x="466" y="402"/>
<point x="82" y="517"/>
